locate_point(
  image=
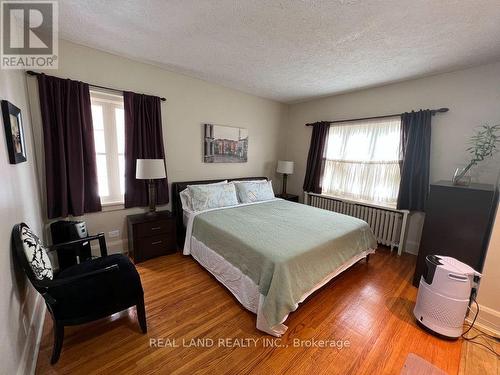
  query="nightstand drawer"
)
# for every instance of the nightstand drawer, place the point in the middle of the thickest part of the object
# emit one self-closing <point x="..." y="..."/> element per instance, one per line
<point x="155" y="228"/>
<point x="156" y="246"/>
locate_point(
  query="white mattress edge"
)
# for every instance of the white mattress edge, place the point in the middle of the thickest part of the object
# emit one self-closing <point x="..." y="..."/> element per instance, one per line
<point x="245" y="290"/>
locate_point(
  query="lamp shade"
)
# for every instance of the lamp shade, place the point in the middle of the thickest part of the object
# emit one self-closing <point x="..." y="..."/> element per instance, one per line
<point x="150" y="169"/>
<point x="285" y="167"/>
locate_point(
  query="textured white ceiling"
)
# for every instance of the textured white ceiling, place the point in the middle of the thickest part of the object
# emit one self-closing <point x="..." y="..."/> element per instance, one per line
<point x="291" y="50"/>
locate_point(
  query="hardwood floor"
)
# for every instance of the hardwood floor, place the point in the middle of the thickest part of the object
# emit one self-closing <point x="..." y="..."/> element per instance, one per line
<point x="476" y="360"/>
<point x="369" y="306"/>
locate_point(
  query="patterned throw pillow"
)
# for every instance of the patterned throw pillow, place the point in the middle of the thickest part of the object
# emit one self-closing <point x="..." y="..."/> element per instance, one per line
<point x="204" y="197"/>
<point x="249" y="192"/>
<point x="186" y="197"/>
<point x="36" y="254"/>
<point x="185" y="200"/>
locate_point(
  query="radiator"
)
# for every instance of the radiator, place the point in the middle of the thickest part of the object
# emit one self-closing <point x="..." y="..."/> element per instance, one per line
<point x="388" y="225"/>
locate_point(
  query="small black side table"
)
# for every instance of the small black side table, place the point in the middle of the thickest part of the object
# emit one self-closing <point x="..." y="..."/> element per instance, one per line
<point x="150" y="236"/>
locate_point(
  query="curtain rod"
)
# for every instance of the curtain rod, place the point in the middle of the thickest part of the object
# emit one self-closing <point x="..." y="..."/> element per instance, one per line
<point x="433" y="112"/>
<point x="32" y="73"/>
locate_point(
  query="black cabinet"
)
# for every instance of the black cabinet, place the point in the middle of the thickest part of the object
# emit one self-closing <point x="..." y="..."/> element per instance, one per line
<point x="458" y="221"/>
<point x="151" y="235"/>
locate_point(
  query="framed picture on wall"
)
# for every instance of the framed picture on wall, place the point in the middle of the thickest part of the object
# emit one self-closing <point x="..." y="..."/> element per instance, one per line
<point x="14" y="132"/>
<point x="225" y="144"/>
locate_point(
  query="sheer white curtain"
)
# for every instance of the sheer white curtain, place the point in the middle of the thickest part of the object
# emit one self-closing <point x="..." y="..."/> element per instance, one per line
<point x="362" y="160"/>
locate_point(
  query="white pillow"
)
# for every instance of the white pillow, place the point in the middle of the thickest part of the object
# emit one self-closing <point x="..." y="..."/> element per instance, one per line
<point x="245" y="181"/>
<point x="257" y="191"/>
<point x="186" y="197"/>
<point x="204" y="197"/>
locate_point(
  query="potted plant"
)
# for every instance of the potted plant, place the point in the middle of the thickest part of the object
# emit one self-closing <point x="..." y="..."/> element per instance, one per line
<point x="483" y="145"/>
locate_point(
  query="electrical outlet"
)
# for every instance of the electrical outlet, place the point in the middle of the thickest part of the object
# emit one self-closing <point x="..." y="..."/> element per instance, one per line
<point x="114" y="233"/>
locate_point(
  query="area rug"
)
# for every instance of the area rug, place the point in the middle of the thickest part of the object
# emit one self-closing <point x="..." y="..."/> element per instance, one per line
<point x="415" y="365"/>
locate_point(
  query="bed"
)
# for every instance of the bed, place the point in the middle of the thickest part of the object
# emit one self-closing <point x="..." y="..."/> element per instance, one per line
<point x="272" y="254"/>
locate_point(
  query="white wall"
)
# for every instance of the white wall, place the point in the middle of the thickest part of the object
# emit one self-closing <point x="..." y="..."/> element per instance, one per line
<point x="20" y="310"/>
<point x="473" y="96"/>
<point x="489" y="289"/>
<point x="190" y="103"/>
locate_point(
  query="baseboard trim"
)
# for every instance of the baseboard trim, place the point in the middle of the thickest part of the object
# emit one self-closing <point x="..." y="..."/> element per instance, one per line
<point x="38" y="338"/>
<point x="488" y="320"/>
<point x="27" y="364"/>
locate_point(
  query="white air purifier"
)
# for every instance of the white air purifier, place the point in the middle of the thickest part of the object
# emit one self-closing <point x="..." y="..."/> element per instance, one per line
<point x="444" y="294"/>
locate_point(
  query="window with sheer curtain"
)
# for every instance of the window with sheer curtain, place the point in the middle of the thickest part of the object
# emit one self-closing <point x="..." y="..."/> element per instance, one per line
<point x="362" y="161"/>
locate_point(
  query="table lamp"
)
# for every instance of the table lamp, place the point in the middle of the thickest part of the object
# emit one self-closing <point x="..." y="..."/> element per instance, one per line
<point x="285" y="167"/>
<point x="151" y="170"/>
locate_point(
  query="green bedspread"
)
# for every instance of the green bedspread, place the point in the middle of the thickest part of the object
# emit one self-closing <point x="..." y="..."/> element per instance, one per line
<point x="286" y="248"/>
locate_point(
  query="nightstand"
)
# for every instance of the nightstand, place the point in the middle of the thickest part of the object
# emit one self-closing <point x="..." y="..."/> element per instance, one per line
<point x="150" y="236"/>
<point x="288" y="197"/>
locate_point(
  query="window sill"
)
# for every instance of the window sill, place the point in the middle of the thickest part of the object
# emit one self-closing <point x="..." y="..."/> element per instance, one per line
<point x="383" y="205"/>
<point x="112" y="206"/>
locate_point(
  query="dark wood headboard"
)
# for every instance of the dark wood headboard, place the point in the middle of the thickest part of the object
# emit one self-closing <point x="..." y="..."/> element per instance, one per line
<point x="177" y="187"/>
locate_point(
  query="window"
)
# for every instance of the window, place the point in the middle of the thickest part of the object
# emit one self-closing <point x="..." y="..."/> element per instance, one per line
<point x="109" y="136"/>
<point x="362" y="160"/>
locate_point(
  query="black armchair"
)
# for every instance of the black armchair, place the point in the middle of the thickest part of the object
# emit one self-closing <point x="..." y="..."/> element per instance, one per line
<point x="81" y="293"/>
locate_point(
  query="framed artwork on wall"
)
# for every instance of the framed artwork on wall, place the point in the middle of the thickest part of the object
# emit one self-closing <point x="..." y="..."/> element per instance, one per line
<point x="14" y="132"/>
<point x="225" y="144"/>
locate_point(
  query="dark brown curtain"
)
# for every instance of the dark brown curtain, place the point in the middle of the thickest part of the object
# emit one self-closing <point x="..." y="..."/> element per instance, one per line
<point x="316" y="157"/>
<point x="70" y="161"/>
<point x="415" y="146"/>
<point x="143" y="140"/>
